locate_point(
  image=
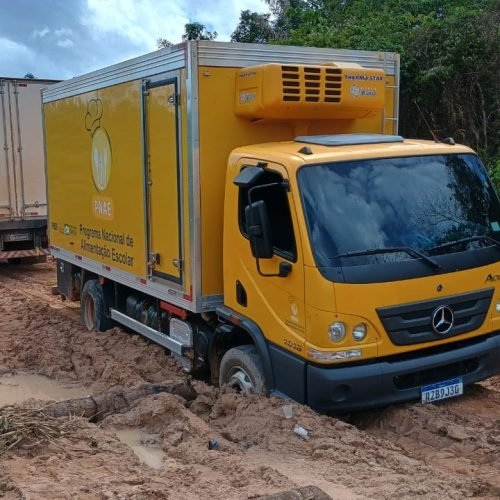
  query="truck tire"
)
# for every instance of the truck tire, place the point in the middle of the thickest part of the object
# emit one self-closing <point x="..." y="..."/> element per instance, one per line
<point x="93" y="308"/>
<point x="241" y="369"/>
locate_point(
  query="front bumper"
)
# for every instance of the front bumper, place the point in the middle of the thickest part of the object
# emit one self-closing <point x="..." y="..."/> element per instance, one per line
<point x="351" y="388"/>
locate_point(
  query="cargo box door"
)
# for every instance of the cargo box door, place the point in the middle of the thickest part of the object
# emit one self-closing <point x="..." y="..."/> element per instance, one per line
<point x="162" y="160"/>
<point x="28" y="144"/>
<point x="7" y="200"/>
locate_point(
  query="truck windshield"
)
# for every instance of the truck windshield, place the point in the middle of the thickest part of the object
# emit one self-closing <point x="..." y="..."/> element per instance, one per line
<point x="436" y="205"/>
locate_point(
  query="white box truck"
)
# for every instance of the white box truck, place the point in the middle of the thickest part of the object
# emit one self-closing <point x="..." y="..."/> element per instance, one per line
<point x="23" y="200"/>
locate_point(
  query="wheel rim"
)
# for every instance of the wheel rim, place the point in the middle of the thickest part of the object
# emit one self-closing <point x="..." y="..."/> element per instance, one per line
<point x="239" y="380"/>
<point x="89" y="313"/>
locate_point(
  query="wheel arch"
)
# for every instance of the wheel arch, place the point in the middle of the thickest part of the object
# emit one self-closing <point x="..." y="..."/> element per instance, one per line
<point x="232" y="321"/>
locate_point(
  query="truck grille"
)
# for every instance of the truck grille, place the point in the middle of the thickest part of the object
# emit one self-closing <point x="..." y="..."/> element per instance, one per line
<point x="436" y="374"/>
<point x="412" y="323"/>
<point x="311" y="84"/>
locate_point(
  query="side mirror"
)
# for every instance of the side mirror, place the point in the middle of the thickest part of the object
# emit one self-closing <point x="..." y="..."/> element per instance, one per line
<point x="259" y="230"/>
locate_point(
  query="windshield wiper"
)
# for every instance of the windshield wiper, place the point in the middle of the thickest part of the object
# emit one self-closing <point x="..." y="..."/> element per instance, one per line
<point x="408" y="250"/>
<point x="471" y="239"/>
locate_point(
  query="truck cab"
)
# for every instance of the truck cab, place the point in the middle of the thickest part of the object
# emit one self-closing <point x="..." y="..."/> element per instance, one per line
<point x="369" y="264"/>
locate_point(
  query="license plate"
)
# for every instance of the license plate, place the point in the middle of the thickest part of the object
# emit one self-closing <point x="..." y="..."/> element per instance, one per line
<point x="442" y="390"/>
<point x="18" y="237"/>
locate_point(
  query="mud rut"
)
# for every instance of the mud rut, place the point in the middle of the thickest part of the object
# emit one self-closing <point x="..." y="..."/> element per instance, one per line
<point x="449" y="450"/>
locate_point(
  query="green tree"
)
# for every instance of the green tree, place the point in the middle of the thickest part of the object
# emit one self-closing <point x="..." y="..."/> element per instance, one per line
<point x="450" y="57"/>
<point x="162" y="43"/>
<point x="253" y="28"/>
<point x="198" y="31"/>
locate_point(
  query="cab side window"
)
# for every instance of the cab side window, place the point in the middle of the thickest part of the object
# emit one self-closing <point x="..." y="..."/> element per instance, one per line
<point x="276" y="199"/>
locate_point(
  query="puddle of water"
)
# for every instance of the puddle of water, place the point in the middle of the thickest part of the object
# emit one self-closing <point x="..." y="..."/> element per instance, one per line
<point x="139" y="441"/>
<point x="19" y="388"/>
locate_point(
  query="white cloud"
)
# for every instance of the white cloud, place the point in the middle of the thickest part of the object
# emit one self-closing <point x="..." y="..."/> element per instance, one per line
<point x="12" y="50"/>
<point x="144" y="21"/>
<point x="63" y="32"/>
<point x="141" y="22"/>
<point x="66" y="38"/>
<point x="40" y="33"/>
<point x="18" y="59"/>
<point x="221" y="15"/>
<point x="65" y="43"/>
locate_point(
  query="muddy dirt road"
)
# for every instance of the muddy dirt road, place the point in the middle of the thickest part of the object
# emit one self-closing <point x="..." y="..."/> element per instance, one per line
<point x="159" y="449"/>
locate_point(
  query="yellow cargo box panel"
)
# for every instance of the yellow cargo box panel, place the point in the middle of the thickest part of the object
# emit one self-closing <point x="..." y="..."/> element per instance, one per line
<point x="136" y="154"/>
<point x="95" y="197"/>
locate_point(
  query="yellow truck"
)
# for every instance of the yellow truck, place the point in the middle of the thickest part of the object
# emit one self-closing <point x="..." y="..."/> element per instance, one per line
<point x="252" y="209"/>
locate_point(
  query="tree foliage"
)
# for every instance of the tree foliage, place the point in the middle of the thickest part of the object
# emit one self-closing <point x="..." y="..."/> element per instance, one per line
<point x="163" y="43"/>
<point x="253" y="28"/>
<point x="450" y="56"/>
<point x="192" y="31"/>
<point x="198" y="31"/>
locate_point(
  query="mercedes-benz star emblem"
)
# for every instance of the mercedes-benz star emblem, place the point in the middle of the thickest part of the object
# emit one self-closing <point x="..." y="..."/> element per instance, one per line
<point x="442" y="320"/>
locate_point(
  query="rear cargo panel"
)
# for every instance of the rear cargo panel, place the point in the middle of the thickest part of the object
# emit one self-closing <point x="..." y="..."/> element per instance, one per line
<point x="28" y="141"/>
<point x="22" y="172"/>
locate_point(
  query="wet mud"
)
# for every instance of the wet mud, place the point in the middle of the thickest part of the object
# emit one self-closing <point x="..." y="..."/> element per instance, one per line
<point x="160" y="447"/>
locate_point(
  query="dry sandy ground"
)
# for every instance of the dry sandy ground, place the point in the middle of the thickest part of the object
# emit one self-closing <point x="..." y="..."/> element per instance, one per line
<point x="450" y="450"/>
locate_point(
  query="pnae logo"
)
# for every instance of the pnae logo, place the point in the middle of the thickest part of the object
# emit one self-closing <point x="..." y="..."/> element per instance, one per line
<point x="100" y="159"/>
<point x="100" y="153"/>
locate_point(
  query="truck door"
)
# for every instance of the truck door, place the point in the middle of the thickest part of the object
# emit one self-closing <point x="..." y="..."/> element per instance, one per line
<point x="276" y="304"/>
<point x="28" y="145"/>
<point x="7" y="200"/>
<point x="162" y="179"/>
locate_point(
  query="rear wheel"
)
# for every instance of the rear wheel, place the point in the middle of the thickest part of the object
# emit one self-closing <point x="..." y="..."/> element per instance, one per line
<point x="241" y="369"/>
<point x="93" y="308"/>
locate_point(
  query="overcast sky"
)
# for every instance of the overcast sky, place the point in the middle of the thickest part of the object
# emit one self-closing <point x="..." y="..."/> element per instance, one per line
<point x="63" y="38"/>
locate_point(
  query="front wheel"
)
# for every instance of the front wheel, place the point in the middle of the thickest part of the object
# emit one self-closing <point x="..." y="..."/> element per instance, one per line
<point x="241" y="369"/>
<point x="93" y="308"/>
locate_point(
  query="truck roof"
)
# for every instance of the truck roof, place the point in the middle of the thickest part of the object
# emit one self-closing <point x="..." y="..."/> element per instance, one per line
<point x="28" y="80"/>
<point x="344" y="147"/>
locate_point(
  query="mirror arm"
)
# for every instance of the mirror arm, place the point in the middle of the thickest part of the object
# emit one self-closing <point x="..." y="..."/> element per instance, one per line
<point x="285" y="268"/>
<point x="285" y="184"/>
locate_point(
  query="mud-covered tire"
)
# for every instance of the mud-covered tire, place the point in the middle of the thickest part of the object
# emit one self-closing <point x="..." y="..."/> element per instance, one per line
<point x="241" y="369"/>
<point x="93" y="308"/>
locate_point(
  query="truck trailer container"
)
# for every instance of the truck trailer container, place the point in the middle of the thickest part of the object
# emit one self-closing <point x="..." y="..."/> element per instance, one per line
<point x="252" y="209"/>
<point x="23" y="203"/>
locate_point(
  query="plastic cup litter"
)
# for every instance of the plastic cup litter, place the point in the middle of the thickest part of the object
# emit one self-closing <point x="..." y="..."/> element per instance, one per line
<point x="287" y="411"/>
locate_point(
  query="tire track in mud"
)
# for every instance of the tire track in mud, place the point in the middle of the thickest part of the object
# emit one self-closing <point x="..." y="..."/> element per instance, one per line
<point x="460" y="436"/>
<point x="38" y="331"/>
<point x="35" y="282"/>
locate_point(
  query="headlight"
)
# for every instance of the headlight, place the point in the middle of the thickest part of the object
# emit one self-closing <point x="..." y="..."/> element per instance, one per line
<point x="498" y="307"/>
<point x="336" y="331"/>
<point x="359" y="332"/>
